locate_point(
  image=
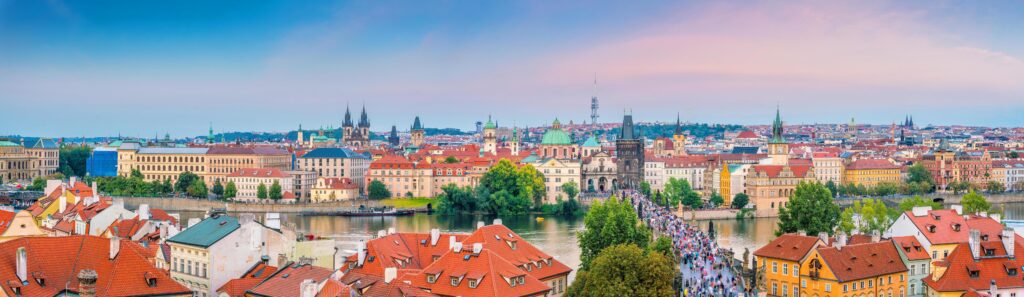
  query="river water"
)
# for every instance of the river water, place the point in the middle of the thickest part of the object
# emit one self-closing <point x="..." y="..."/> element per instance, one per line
<point x="554" y="235"/>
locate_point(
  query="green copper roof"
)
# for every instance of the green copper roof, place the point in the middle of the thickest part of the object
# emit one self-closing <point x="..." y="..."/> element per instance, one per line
<point x="591" y="142"/>
<point x="777" y="129"/>
<point x="531" y="158"/>
<point x="490" y="124"/>
<point x="207" y="232"/>
<point x="8" y="143"/>
<point x="555" y="136"/>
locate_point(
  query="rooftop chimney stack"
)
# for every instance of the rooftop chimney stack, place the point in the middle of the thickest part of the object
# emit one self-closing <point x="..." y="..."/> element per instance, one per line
<point x="992" y="288"/>
<point x="477" y="248"/>
<point x="95" y="191"/>
<point x="451" y="241"/>
<point x="920" y="211"/>
<point x="457" y="247"/>
<point x="143" y="212"/>
<point x="840" y="240"/>
<point x="307" y="288"/>
<point x="801" y="232"/>
<point x="273" y="220"/>
<point x="22" y="264"/>
<point x="435" y="234"/>
<point x="823" y="236"/>
<point x="958" y="208"/>
<point x="87" y="283"/>
<point x="1008" y="241"/>
<point x="497" y="222"/>
<point x="876" y="236"/>
<point x="974" y="241"/>
<point x="390" y="274"/>
<point x="115" y="246"/>
<point x="361" y="252"/>
<point x="479" y="224"/>
<point x="391" y="230"/>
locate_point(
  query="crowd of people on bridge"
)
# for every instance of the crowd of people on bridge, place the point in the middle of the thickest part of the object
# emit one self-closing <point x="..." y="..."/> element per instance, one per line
<point x="704" y="268"/>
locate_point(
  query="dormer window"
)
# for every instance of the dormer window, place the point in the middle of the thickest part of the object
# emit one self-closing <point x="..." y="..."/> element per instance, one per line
<point x="956" y="227"/>
<point x="990" y="252"/>
<point x="984" y="237"/>
<point x="455" y="281"/>
<point x="931" y="228"/>
<point x="431" y="278"/>
<point x="473" y="283"/>
<point x="1011" y="272"/>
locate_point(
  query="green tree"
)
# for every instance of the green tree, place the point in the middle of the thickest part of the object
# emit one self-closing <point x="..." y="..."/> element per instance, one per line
<point x="716" y="199"/>
<point x="136" y="174"/>
<point x="740" y="200"/>
<point x="610" y="223"/>
<point x="377" y="190"/>
<point x="679" y="191"/>
<point x="958" y="186"/>
<point x="38" y="184"/>
<point x="218" y="188"/>
<point x="72" y="159"/>
<point x="917" y="173"/>
<point x="995" y="187"/>
<point x="846" y="221"/>
<point x="626" y="270"/>
<point x="975" y="203"/>
<point x="874" y="215"/>
<point x="261" y="191"/>
<point x="275" y="191"/>
<point x="570" y="189"/>
<point x="645" y="188"/>
<point x="524" y="182"/>
<point x="198" y="189"/>
<point x="451" y="160"/>
<point x="185" y="180"/>
<point x="908" y="204"/>
<point x="831" y="185"/>
<point x="886" y="189"/>
<point x="166" y="187"/>
<point x="230" y="191"/>
<point x="454" y="199"/>
<point x="1013" y="155"/>
<point x="810" y="209"/>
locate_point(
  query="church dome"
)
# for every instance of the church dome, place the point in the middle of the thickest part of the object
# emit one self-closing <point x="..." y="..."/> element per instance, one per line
<point x="555" y="136"/>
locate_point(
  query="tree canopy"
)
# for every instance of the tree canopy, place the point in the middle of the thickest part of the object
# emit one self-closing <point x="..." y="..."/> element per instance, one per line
<point x="377" y="190"/>
<point x="975" y="203"/>
<point x="230" y="191"/>
<point x="810" y="209"/>
<point x="740" y="200"/>
<point x="679" y="191"/>
<point x="626" y="270"/>
<point x="72" y="160"/>
<point x="261" y="191"/>
<point x="610" y="223"/>
<point x="275" y="191"/>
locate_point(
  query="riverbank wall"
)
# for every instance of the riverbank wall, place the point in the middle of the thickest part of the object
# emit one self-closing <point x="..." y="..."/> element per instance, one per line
<point x="184" y="204"/>
<point x="948" y="199"/>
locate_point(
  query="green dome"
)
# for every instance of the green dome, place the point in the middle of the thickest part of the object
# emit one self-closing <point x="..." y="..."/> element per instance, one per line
<point x="591" y="142"/>
<point x="7" y="143"/>
<point x="555" y="136"/>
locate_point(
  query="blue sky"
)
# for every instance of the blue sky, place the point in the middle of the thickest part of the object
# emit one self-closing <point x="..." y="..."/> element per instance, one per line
<point x="96" y="68"/>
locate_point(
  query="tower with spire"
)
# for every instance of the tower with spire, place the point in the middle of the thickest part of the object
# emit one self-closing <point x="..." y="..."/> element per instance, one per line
<point x="778" y="148"/>
<point x="629" y="151"/>
<point x="514" y="143"/>
<point x="299" y="136"/>
<point x="356" y="136"/>
<point x="678" y="138"/>
<point x="393" y="138"/>
<point x="209" y="138"/>
<point x="416" y="133"/>
<point x="593" y="107"/>
<point x="490" y="137"/>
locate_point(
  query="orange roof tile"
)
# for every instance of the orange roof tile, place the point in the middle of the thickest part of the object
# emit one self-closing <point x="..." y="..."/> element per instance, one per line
<point x="791" y="247"/>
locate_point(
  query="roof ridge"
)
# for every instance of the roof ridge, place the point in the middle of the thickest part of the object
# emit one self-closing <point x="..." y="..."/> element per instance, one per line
<point x="78" y="255"/>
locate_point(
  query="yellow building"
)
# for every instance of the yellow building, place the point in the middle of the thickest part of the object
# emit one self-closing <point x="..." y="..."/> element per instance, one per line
<point x="769" y="186"/>
<point x="21" y="162"/>
<point x="866" y="269"/>
<point x="870" y="172"/>
<point x="57" y="200"/>
<point x="17" y="225"/>
<point x="780" y="261"/>
<point x="210" y="164"/>
<point x="223" y="161"/>
<point x="329" y="189"/>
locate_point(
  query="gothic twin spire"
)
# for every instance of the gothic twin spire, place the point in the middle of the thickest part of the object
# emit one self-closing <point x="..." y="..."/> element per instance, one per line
<point x="364" y="121"/>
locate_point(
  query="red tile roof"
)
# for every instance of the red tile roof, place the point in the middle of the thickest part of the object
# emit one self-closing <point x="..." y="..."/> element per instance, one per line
<point x="286" y="281"/>
<point x="860" y="261"/>
<point x="911" y="247"/>
<point x="339" y="183"/>
<point x="960" y="262"/>
<point x="940" y="226"/>
<point x="260" y="150"/>
<point x="791" y="247"/>
<point x="492" y="273"/>
<point x="5" y="220"/>
<point x="747" y="134"/>
<point x="252" y="277"/>
<point x="499" y="239"/>
<point x="59" y="260"/>
<point x="774" y="171"/>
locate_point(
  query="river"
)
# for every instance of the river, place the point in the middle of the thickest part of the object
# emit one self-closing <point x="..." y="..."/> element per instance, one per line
<point x="554" y="235"/>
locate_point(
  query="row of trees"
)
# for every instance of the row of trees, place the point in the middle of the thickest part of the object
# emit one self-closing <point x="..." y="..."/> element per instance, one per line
<point x="188" y="183"/>
<point x="504" y="190"/>
<point x="812" y="209"/>
<point x="618" y="257"/>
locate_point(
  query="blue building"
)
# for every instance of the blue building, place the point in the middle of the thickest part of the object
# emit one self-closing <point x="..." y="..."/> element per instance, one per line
<point x="103" y="162"/>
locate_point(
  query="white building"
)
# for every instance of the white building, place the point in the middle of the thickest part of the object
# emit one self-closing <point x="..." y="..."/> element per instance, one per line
<point x="336" y="162"/>
<point x="248" y="181"/>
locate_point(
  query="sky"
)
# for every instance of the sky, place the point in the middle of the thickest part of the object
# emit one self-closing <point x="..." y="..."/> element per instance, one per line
<point x="140" y="68"/>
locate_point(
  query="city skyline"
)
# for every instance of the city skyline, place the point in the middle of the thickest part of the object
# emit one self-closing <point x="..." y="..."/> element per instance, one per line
<point x="137" y="68"/>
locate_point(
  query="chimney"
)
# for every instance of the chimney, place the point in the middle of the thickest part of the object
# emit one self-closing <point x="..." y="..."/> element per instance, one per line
<point x="457" y="247"/>
<point x="22" y="264"/>
<point x="193" y="222"/>
<point x="497" y="221"/>
<point x="920" y="211"/>
<point x="391" y="230"/>
<point x="435" y="234"/>
<point x="62" y="203"/>
<point x="164" y="232"/>
<point x="876" y="236"/>
<point x="451" y="241"/>
<point x="801" y="232"/>
<point x="840" y="240"/>
<point x="361" y="253"/>
<point x="992" y="288"/>
<point x="307" y="288"/>
<point x="273" y="220"/>
<point x="1008" y="241"/>
<point x="282" y="259"/>
<point x="958" y="208"/>
<point x="381" y="233"/>
<point x="143" y="212"/>
<point x="974" y="241"/>
<point x="74" y="180"/>
<point x="87" y="283"/>
<point x="390" y="274"/>
<point x="997" y="217"/>
<point x="477" y="247"/>
<point x="115" y="246"/>
<point x="95" y="191"/>
<point x="823" y="236"/>
<point x="479" y="224"/>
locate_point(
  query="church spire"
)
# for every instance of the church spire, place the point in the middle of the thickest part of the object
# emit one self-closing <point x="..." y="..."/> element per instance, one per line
<point x="777" y="130"/>
<point x="348" y="117"/>
<point x="679" y="125"/>
<point x="364" y="121"/>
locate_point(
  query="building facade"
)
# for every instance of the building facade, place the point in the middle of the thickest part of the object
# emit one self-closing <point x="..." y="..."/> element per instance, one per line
<point x="336" y="162"/>
<point x="769" y="186"/>
<point x="629" y="151"/>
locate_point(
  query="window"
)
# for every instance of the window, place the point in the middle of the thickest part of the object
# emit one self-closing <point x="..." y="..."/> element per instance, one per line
<point x="472" y="284"/>
<point x="775" y="267"/>
<point x="796" y="270"/>
<point x="785" y="290"/>
<point x="455" y="281"/>
<point x="828" y="288"/>
<point x="803" y="283"/>
<point x="775" y="289"/>
<point x="785" y="268"/>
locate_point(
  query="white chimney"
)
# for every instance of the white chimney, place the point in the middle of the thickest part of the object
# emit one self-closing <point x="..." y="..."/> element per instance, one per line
<point x="997" y="217"/>
<point x="95" y="191"/>
<point x="435" y="234"/>
<point x="391" y="230"/>
<point x="390" y="274"/>
<point x="477" y="247"/>
<point x="22" y="265"/>
<point x="823" y="236"/>
<point x="497" y="221"/>
<point x="992" y="288"/>
<point x="876" y="236"/>
<point x="52" y="185"/>
<point x="958" y="208"/>
<point x="801" y="232"/>
<point x="361" y="253"/>
<point x="143" y="212"/>
<point x="381" y="233"/>
<point x="974" y="241"/>
<point x="479" y="224"/>
<point x="74" y="180"/>
<point x="115" y="246"/>
<point x="193" y="222"/>
<point x="307" y="288"/>
<point x="1008" y="241"/>
<point x="983" y="214"/>
<point x="62" y="203"/>
<point x="451" y="241"/>
<point x="273" y="220"/>
<point x="920" y="211"/>
<point x="164" y="232"/>
<point x="840" y="240"/>
<point x="457" y="247"/>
